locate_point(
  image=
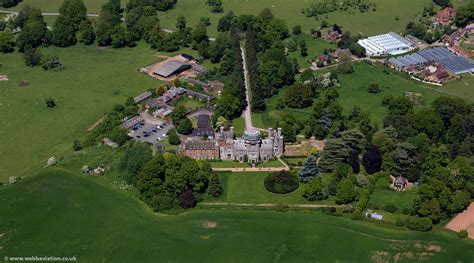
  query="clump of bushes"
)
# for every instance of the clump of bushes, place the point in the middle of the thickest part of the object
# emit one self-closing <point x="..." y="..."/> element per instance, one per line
<point x="419" y="223"/>
<point x="50" y="103"/>
<point x="391" y="208"/>
<point x="281" y="182"/>
<point x="77" y="145"/>
<point x="296" y="30"/>
<point x="52" y="63"/>
<point x="462" y="234"/>
<point x="23" y="83"/>
<point x="374" y="88"/>
<point x="32" y="57"/>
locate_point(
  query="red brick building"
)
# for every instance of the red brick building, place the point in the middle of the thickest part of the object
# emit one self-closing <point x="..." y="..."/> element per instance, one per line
<point x="202" y="150"/>
<point x="443" y="17"/>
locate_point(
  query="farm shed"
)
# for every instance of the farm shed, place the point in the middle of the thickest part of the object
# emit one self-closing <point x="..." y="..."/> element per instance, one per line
<point x="171" y="67"/>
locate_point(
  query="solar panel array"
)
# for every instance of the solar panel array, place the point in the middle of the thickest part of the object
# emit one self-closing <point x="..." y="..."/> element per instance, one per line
<point x="449" y="60"/>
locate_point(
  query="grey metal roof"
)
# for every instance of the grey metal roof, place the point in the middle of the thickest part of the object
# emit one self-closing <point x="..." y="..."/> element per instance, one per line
<point x="400" y="38"/>
<point x="142" y="97"/>
<point x="449" y="60"/>
<point x="132" y="122"/>
<point x="408" y="60"/>
<point x="171" y="67"/>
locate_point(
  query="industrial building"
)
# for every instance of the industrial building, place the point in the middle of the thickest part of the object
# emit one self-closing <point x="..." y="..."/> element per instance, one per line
<point x="449" y="60"/>
<point x="386" y="44"/>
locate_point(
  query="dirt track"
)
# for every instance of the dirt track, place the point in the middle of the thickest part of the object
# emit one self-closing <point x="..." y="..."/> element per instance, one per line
<point x="464" y="220"/>
<point x="270" y="205"/>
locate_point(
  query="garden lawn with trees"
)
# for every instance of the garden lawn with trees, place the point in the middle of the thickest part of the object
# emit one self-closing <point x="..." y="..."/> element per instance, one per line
<point x="384" y="195"/>
<point x="248" y="187"/>
<point x="353" y="92"/>
<point x="95" y="218"/>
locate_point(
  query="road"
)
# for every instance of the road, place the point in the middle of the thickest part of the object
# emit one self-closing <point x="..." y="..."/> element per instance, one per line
<point x="247" y="114"/>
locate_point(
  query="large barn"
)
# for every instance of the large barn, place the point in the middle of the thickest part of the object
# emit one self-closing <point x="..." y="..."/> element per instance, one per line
<point x="386" y="44"/>
<point x="171" y="67"/>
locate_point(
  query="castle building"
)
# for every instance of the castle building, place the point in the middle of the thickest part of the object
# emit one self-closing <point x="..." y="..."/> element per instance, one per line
<point x="250" y="148"/>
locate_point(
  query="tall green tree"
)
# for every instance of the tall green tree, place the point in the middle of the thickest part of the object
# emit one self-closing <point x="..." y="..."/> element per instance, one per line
<point x="309" y="169"/>
<point x="133" y="160"/>
<point x="86" y="32"/>
<point x="72" y="13"/>
<point x="7" y="42"/>
<point x="109" y="19"/>
<point x="34" y="32"/>
<point x="345" y="192"/>
<point x="315" y="190"/>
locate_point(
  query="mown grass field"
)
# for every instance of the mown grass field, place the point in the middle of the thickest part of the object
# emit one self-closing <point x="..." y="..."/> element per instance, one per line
<point x="369" y="23"/>
<point x="94" y="79"/>
<point x="353" y="92"/>
<point x="63" y="214"/>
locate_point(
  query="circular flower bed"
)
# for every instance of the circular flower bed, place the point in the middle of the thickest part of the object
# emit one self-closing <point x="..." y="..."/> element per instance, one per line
<point x="281" y="182"/>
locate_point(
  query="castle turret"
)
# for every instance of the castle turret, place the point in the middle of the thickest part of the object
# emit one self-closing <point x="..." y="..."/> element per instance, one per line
<point x="270" y="133"/>
<point x="232" y="132"/>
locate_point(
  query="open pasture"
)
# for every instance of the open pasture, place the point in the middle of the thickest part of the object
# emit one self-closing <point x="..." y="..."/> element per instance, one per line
<point x="94" y="79"/>
<point x="368" y="23"/>
<point x="74" y="216"/>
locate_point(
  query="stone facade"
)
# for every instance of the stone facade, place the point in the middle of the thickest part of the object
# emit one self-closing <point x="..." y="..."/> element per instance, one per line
<point x="250" y="148"/>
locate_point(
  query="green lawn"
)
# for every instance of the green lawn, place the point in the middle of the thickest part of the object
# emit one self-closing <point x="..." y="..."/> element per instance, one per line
<point x="248" y="188"/>
<point x="463" y="88"/>
<point x="383" y="194"/>
<point x="369" y="23"/>
<point x="94" y="79"/>
<point x="239" y="126"/>
<point x="229" y="164"/>
<point x="353" y="91"/>
<point x="271" y="163"/>
<point x="62" y="214"/>
<point x="381" y="21"/>
<point x="272" y="114"/>
<point x="295" y="161"/>
<point x="190" y="104"/>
